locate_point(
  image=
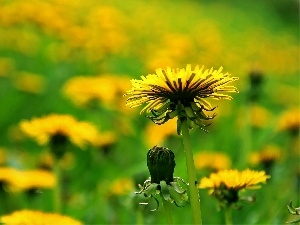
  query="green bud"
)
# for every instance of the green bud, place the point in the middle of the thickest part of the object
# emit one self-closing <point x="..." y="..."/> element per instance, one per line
<point x="161" y="164"/>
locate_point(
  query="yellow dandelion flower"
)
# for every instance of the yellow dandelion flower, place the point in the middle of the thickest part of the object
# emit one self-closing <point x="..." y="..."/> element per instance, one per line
<point x="105" y="139"/>
<point x="234" y="179"/>
<point x="157" y="134"/>
<point x="46" y="128"/>
<point x="289" y="121"/>
<point x="29" y="217"/>
<point x="84" y="90"/>
<point x="180" y="92"/>
<point x="6" y="66"/>
<point x="32" y="179"/>
<point x="46" y="161"/>
<point x="225" y="185"/>
<point x="260" y="116"/>
<point x="122" y="186"/>
<point x="212" y="160"/>
<point x="269" y="154"/>
<point x="29" y="82"/>
<point x="7" y="173"/>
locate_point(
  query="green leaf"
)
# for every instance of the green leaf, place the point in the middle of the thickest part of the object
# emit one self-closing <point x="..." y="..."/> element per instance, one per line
<point x="178" y="188"/>
<point x="151" y="189"/>
<point x="165" y="190"/>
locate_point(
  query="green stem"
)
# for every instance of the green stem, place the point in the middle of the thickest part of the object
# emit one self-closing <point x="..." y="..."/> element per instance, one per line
<point x="57" y="189"/>
<point x="192" y="179"/>
<point x="247" y="136"/>
<point x="139" y="217"/>
<point x="167" y="207"/>
<point x="228" y="215"/>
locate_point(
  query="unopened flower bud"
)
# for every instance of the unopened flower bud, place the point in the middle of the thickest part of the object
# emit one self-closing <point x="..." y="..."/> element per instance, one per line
<point x="161" y="164"/>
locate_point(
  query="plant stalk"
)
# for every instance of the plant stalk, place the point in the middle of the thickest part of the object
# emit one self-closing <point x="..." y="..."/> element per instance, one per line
<point x="167" y="207"/>
<point x="57" y="189"/>
<point x="192" y="179"/>
<point x="228" y="215"/>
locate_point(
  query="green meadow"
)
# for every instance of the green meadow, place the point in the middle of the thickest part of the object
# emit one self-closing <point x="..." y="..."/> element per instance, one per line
<point x="46" y="46"/>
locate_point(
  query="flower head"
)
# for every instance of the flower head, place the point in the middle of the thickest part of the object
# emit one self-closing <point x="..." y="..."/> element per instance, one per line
<point x="46" y="161"/>
<point x="88" y="90"/>
<point x="18" y="180"/>
<point x="290" y="121"/>
<point x="33" y="179"/>
<point x="6" y="174"/>
<point x="56" y="128"/>
<point x="30" y="82"/>
<point x="29" y="217"/>
<point x="180" y="92"/>
<point x="266" y="156"/>
<point x="212" y="160"/>
<point x="7" y="66"/>
<point x="159" y="134"/>
<point x="121" y="186"/>
<point x="234" y="179"/>
<point x="226" y="184"/>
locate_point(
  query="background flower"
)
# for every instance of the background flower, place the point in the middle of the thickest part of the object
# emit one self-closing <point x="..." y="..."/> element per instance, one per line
<point x="234" y="179"/>
<point x="36" y="217"/>
<point x="212" y="160"/>
<point x="44" y="128"/>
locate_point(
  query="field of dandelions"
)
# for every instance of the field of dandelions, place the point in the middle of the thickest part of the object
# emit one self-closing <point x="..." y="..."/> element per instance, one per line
<point x="69" y="63"/>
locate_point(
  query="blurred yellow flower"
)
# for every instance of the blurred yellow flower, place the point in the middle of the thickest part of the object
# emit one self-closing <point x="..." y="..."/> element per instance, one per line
<point x="18" y="180"/>
<point x="82" y="90"/>
<point x="46" y="161"/>
<point x="122" y="186"/>
<point x="212" y="160"/>
<point x="45" y="128"/>
<point x="105" y="139"/>
<point x="286" y="91"/>
<point x="6" y="66"/>
<point x="171" y="92"/>
<point x="6" y="174"/>
<point x="174" y="48"/>
<point x="155" y="135"/>
<point x="269" y="154"/>
<point x="30" y="217"/>
<point x="32" y="179"/>
<point x="234" y="179"/>
<point x="289" y="121"/>
<point x="29" y="82"/>
<point x="260" y="116"/>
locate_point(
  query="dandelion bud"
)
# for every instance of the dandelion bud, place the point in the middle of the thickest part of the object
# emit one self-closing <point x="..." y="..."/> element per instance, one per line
<point x="256" y="80"/>
<point x="161" y="164"/>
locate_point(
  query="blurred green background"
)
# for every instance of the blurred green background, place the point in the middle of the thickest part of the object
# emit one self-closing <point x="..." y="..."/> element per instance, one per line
<point x="45" y="44"/>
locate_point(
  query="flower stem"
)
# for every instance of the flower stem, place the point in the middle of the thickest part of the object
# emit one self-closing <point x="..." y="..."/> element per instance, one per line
<point x="228" y="215"/>
<point x="57" y="188"/>
<point x="139" y="217"/>
<point x="194" y="194"/>
<point x="167" y="207"/>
